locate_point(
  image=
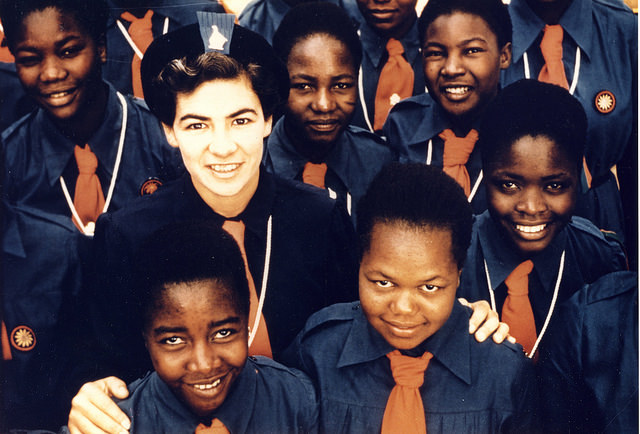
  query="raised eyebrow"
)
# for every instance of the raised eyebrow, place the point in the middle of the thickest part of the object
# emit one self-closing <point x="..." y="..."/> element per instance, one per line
<point x="194" y="117"/>
<point x="241" y="112"/>
<point x="232" y="320"/>
<point x="475" y="39"/>
<point x="164" y="330"/>
<point x="556" y="176"/>
<point x="344" y="77"/>
<point x="303" y="77"/>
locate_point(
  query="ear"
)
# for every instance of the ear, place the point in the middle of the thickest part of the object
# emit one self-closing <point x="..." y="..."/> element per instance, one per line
<point x="505" y="56"/>
<point x="101" y="46"/>
<point x="268" y="123"/>
<point x="170" y="135"/>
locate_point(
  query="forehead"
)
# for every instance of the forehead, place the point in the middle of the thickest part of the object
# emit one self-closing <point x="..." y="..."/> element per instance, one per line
<point x="534" y="155"/>
<point x="459" y="26"/>
<point x="218" y="97"/>
<point x="47" y="25"/>
<point x="319" y="50"/>
<point x="195" y="300"/>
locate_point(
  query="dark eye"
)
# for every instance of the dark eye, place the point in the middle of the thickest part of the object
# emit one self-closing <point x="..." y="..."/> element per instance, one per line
<point x="432" y="54"/>
<point x="300" y="86"/>
<point x="27" y="61"/>
<point x="474" y="50"/>
<point x="555" y="187"/>
<point x="72" y="51"/>
<point x="224" y="333"/>
<point x="173" y="340"/>
<point x="196" y="126"/>
<point x="383" y="283"/>
<point x="429" y="288"/>
<point x="343" y="85"/>
<point x="508" y="186"/>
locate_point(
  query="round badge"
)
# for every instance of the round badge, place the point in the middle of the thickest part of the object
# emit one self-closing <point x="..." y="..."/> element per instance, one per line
<point x="150" y="186"/>
<point x="23" y="338"/>
<point x="605" y="102"/>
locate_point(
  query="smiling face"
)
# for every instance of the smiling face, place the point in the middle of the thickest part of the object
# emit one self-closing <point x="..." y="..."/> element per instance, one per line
<point x="58" y="64"/>
<point x="462" y="63"/>
<point x="197" y="341"/>
<point x="390" y="18"/>
<point x="323" y="93"/>
<point x="219" y="128"/>
<point x="532" y="192"/>
<point x="408" y="280"/>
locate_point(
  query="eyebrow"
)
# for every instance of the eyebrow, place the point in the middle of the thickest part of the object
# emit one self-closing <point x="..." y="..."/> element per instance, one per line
<point x="544" y="178"/>
<point x="465" y="42"/>
<point x="58" y="44"/>
<point x="213" y="324"/>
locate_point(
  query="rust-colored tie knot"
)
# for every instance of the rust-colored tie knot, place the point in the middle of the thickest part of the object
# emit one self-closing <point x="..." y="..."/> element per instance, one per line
<point x="551" y="48"/>
<point x="217" y="427"/>
<point x="314" y="174"/>
<point x="394" y="48"/>
<point x="394" y="84"/>
<point x="518" y="281"/>
<point x="516" y="310"/>
<point x="86" y="160"/>
<point x="456" y="154"/>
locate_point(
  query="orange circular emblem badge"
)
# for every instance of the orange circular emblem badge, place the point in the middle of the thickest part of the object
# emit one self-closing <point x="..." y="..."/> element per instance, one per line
<point x="23" y="338"/>
<point x="150" y="186"/>
<point x="605" y="102"/>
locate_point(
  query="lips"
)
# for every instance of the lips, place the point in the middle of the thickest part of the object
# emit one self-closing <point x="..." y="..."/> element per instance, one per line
<point x="401" y="329"/>
<point x="207" y="388"/>
<point x="323" y="125"/>
<point x="224" y="170"/>
<point x="529" y="229"/>
<point x="382" y="14"/>
<point x="58" y="98"/>
<point x="456" y="92"/>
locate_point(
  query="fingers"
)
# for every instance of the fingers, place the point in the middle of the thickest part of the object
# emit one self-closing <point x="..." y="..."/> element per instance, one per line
<point x="502" y="333"/>
<point x="93" y="410"/>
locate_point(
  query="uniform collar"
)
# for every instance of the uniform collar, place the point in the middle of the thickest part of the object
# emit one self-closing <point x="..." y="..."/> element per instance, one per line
<point x="374" y="45"/>
<point x="576" y="21"/>
<point x="502" y="259"/>
<point x="449" y="345"/>
<point x="428" y="127"/>
<point x="255" y="215"/>
<point x="288" y="162"/>
<point x="58" y="149"/>
<point x="241" y="396"/>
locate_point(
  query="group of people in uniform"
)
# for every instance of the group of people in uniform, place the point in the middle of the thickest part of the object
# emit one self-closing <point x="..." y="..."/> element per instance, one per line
<point x="208" y="220"/>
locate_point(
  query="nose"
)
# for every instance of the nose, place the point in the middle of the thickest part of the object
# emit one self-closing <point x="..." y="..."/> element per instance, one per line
<point x="51" y="70"/>
<point x="531" y="202"/>
<point x="202" y="358"/>
<point x="324" y="101"/>
<point x="222" y="143"/>
<point x="404" y="302"/>
<point x="453" y="65"/>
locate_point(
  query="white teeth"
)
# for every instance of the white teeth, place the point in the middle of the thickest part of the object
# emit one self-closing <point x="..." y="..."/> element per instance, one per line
<point x="58" y="94"/>
<point x="531" y="229"/>
<point x="457" y="90"/>
<point x="224" y="168"/>
<point x="208" y="386"/>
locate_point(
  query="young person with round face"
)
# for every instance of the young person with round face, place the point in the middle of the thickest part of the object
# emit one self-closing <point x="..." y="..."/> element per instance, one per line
<point x="465" y="46"/>
<point x="217" y="109"/>
<point x="322" y="52"/>
<point x="83" y="151"/>
<point x="414" y="225"/>
<point x="599" y="66"/>
<point x="532" y="158"/>
<point x="390" y="41"/>
<point x="192" y="300"/>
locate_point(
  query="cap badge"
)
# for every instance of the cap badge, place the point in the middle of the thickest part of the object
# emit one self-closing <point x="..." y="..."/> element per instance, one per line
<point x="23" y="338"/>
<point x="605" y="102"/>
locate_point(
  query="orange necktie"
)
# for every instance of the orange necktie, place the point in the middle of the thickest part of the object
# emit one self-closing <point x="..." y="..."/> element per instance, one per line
<point x="516" y="311"/>
<point x="142" y="35"/>
<point x="6" y="348"/>
<point x="551" y="47"/>
<point x="405" y="411"/>
<point x="395" y="83"/>
<point x="217" y="427"/>
<point x="314" y="174"/>
<point x="88" y="198"/>
<point x="261" y="345"/>
<point x="456" y="154"/>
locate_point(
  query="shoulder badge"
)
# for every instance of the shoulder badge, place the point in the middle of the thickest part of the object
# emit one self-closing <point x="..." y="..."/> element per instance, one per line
<point x="150" y="186"/>
<point x="605" y="101"/>
<point x="23" y="338"/>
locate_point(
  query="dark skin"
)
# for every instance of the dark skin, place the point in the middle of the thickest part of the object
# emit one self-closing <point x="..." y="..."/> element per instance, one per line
<point x="81" y="127"/>
<point x="550" y="11"/>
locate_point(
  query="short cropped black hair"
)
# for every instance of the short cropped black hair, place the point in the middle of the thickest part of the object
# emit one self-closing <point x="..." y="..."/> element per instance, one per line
<point x="312" y="18"/>
<point x="91" y="16"/>
<point x="533" y="108"/>
<point x="418" y="195"/>
<point x="493" y="12"/>
<point x="187" y="252"/>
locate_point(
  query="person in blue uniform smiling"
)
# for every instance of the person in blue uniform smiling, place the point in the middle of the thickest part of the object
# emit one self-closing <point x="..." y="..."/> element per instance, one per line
<point x="465" y="45"/>
<point x="216" y="108"/>
<point x="322" y="52"/>
<point x="59" y="49"/>
<point x="414" y="227"/>
<point x="528" y="243"/>
<point x="193" y="306"/>
<point x="385" y="22"/>
<point x="598" y="64"/>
